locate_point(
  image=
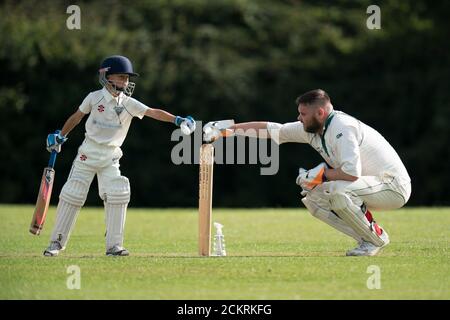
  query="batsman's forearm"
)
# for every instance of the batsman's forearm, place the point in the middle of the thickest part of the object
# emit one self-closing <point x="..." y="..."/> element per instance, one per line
<point x="160" y="115"/>
<point x="252" y="129"/>
<point x="71" y="123"/>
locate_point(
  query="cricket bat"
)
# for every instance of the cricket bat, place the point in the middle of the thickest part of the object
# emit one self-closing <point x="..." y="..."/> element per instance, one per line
<point x="43" y="199"/>
<point x="205" y="199"/>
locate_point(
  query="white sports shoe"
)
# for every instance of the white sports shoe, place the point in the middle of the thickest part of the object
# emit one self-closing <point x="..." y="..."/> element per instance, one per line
<point x="368" y="249"/>
<point x="117" y="251"/>
<point x="53" y="249"/>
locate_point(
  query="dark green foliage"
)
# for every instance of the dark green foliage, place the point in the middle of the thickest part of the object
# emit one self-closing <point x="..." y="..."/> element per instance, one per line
<point x="246" y="60"/>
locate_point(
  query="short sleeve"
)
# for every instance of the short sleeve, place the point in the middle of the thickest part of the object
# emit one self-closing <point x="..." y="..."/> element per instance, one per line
<point x="288" y="132"/>
<point x="86" y="105"/>
<point x="348" y="152"/>
<point x="136" y="108"/>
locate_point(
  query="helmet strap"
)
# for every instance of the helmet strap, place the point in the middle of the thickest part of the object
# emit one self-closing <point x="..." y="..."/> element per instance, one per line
<point x="112" y="88"/>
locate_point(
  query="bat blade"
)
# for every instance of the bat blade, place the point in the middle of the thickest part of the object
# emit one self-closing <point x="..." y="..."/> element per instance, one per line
<point x="43" y="201"/>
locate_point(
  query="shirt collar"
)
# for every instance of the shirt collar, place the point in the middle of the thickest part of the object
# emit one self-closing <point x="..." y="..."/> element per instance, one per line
<point x="108" y="96"/>
<point x="328" y="121"/>
<point x="322" y="137"/>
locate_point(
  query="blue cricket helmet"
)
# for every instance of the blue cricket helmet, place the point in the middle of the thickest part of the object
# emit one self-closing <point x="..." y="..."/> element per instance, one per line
<point x="117" y="65"/>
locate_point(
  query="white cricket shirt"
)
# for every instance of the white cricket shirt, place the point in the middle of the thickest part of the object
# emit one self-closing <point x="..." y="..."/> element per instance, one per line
<point x="347" y="143"/>
<point x="110" y="117"/>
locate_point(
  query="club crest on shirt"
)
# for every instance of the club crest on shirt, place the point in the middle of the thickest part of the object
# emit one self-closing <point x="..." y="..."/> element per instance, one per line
<point x="101" y="108"/>
<point x="118" y="110"/>
<point x="339" y="135"/>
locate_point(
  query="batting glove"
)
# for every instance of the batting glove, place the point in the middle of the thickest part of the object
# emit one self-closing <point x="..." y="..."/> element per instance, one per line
<point x="55" y="140"/>
<point x="309" y="179"/>
<point x="188" y="124"/>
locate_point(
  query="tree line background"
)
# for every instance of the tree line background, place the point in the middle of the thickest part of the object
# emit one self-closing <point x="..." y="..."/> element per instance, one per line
<point x="240" y="59"/>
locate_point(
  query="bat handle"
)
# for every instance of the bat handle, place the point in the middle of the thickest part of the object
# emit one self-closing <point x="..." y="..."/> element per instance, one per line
<point x="51" y="162"/>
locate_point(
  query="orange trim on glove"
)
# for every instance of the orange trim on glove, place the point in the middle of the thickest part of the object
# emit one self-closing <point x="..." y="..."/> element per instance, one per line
<point x="317" y="180"/>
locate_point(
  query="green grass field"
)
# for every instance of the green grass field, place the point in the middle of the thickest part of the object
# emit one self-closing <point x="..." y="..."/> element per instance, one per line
<point x="272" y="254"/>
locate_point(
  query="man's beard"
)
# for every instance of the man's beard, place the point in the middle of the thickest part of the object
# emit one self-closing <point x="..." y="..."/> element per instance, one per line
<point x="314" y="127"/>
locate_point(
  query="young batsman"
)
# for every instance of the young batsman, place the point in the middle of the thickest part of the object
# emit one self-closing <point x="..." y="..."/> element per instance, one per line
<point x="361" y="172"/>
<point x="110" y="110"/>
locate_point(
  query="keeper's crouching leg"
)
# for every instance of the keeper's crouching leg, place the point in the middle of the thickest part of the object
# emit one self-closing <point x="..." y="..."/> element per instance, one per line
<point x="354" y="214"/>
<point x="320" y="209"/>
<point x="116" y="203"/>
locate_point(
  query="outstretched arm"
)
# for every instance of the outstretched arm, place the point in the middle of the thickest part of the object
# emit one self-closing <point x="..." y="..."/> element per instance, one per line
<point x="160" y="115"/>
<point x="280" y="133"/>
<point x="252" y="129"/>
<point x="187" y="124"/>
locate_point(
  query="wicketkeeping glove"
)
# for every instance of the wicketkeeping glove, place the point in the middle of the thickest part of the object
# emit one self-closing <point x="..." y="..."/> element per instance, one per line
<point x="309" y="179"/>
<point x="54" y="141"/>
<point x="215" y="129"/>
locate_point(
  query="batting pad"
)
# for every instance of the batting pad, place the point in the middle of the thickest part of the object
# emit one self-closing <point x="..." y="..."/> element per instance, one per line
<point x="71" y="199"/>
<point x="355" y="218"/>
<point x="330" y="218"/>
<point x="66" y="215"/>
<point x="117" y="198"/>
<point x="75" y="192"/>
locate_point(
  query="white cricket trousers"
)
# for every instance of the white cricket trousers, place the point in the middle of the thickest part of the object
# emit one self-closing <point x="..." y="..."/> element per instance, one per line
<point x="386" y="192"/>
<point x="94" y="159"/>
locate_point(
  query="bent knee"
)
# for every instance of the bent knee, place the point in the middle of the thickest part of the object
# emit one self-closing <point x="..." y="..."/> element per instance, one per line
<point x="118" y="191"/>
<point x="340" y="201"/>
<point x="316" y="200"/>
<point x="75" y="191"/>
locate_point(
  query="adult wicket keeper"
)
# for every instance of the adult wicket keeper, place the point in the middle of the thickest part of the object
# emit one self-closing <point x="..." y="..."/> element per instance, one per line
<point x="362" y="171"/>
